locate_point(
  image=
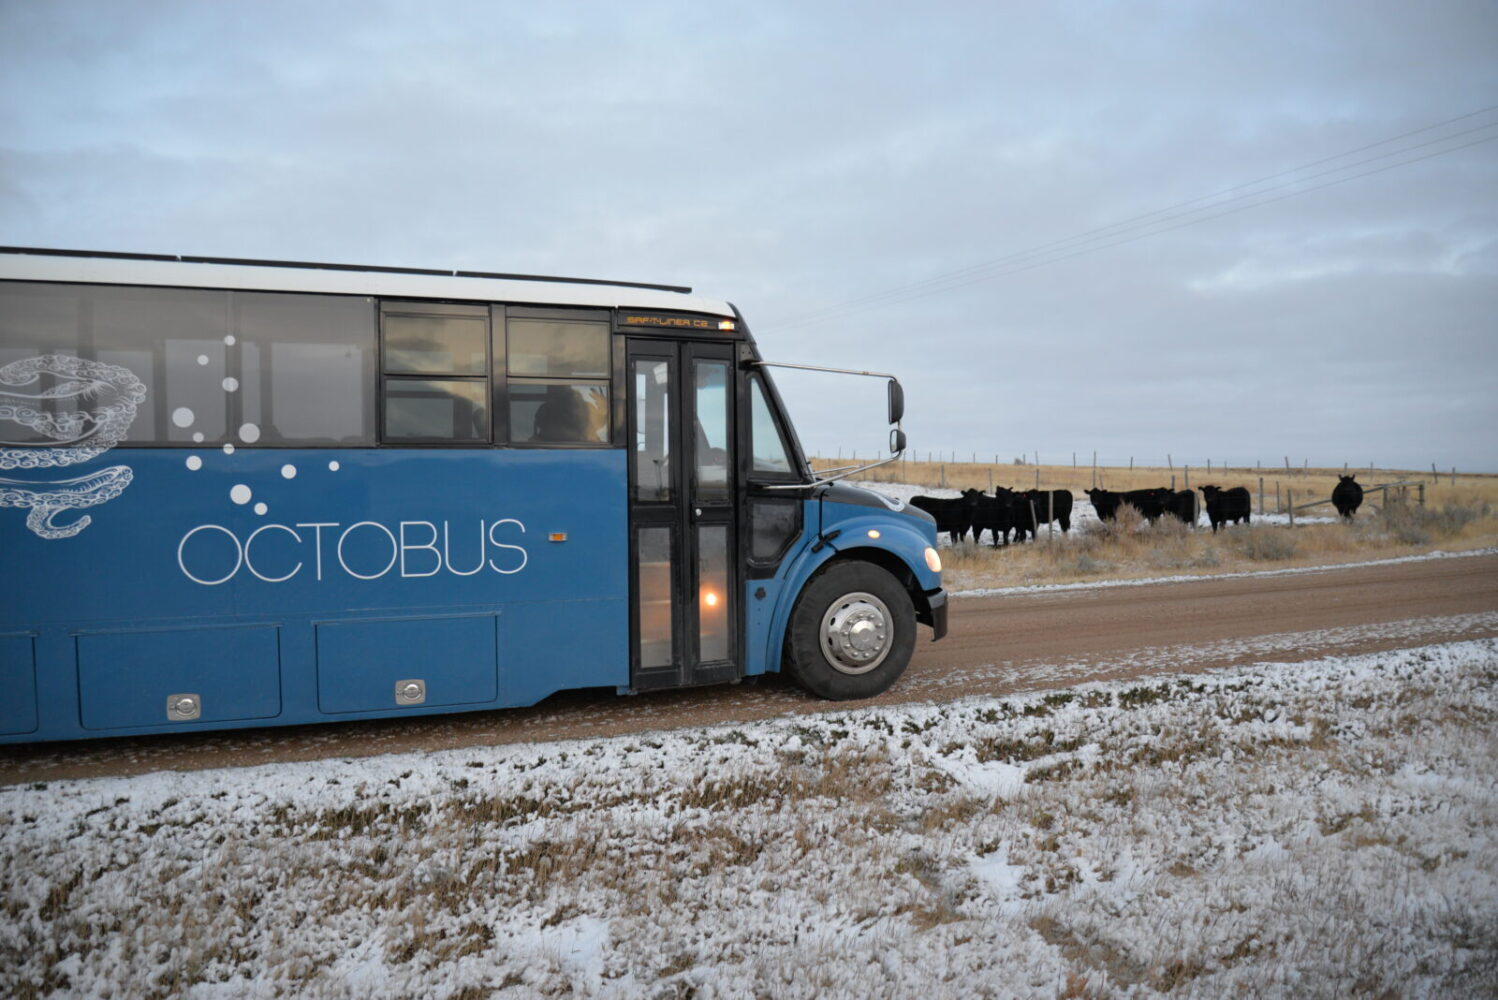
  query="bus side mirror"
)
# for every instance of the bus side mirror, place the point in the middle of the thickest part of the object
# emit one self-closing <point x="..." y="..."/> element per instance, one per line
<point x="896" y="402"/>
<point x="896" y="441"/>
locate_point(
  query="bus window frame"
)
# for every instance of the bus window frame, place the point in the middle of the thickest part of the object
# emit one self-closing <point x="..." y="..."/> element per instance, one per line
<point x="767" y="487"/>
<point x="783" y="428"/>
<point x="428" y="307"/>
<point x="500" y="315"/>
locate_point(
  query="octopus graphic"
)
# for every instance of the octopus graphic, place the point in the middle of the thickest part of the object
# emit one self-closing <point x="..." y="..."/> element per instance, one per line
<point x="82" y="408"/>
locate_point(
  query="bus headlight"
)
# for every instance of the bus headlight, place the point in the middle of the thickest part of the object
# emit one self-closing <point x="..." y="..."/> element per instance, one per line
<point x="933" y="561"/>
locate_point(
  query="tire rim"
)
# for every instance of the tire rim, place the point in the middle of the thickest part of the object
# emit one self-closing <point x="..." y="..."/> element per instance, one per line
<point x="856" y="633"/>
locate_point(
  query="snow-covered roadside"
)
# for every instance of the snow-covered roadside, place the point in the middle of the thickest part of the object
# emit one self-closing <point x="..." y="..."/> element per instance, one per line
<point x="1199" y="577"/>
<point x="1309" y="829"/>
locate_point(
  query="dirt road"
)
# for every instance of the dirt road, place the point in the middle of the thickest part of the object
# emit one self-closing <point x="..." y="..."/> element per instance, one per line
<point x="997" y="646"/>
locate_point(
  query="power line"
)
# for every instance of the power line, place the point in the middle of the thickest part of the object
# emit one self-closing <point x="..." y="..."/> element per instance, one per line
<point x="1155" y="232"/>
<point x="1048" y="252"/>
<point x="959" y="278"/>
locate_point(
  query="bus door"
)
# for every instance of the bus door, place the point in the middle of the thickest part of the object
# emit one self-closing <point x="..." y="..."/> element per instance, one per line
<point x="685" y="614"/>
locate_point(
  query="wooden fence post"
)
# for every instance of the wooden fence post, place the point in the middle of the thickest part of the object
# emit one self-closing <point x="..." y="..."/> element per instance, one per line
<point x="1261" y="496"/>
<point x="1278" y="506"/>
<point x="1037" y="477"/>
<point x="1422" y="494"/>
<point x="1050" y="527"/>
<point x="944" y="474"/>
<point x="1290" y="496"/>
<point x="1187" y="470"/>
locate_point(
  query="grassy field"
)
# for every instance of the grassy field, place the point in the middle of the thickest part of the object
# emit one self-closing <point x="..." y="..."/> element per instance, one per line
<point x="1458" y="513"/>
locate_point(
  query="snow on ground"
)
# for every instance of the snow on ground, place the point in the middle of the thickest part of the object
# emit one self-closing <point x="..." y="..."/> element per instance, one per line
<point x="1033" y="588"/>
<point x="1317" y="829"/>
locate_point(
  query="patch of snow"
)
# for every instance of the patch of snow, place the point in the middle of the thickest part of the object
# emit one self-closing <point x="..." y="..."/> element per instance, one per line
<point x="1313" y="828"/>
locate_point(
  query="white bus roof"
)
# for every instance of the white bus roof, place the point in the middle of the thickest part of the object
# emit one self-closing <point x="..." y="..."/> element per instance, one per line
<point x="342" y="279"/>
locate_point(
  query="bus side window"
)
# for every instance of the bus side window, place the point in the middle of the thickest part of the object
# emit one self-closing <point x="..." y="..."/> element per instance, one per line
<point x="770" y="453"/>
<point x="558" y="381"/>
<point x="308" y="367"/>
<point x="773" y="523"/>
<point x="257" y="367"/>
<point x="774" y="520"/>
<point x="436" y="379"/>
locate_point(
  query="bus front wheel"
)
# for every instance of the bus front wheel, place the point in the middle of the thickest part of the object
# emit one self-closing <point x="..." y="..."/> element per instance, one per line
<point x="852" y="632"/>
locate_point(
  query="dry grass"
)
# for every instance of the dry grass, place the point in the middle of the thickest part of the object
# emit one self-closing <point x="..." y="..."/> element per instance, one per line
<point x="1456" y="516"/>
<point x="1184" y="836"/>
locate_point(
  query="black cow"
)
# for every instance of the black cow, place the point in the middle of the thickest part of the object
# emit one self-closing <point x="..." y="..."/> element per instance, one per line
<point x="1027" y="514"/>
<point x="1228" y="505"/>
<point x="1105" y="502"/>
<point x="993" y="513"/>
<point x="954" y="515"/>
<point x="1347" y="496"/>
<point x="1184" y="506"/>
<point x="1052" y="505"/>
<point x="1150" y="503"/>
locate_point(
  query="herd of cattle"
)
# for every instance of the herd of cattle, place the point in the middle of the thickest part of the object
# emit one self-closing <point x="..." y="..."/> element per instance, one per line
<point x="1020" y="511"/>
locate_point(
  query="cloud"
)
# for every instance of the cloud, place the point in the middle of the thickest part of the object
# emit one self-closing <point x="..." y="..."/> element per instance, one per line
<point x="891" y="170"/>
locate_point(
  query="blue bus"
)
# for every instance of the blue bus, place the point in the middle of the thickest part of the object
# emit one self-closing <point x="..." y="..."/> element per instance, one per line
<point x="241" y="493"/>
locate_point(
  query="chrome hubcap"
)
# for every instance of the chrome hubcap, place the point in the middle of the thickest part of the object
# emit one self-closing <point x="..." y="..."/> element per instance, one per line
<point x="856" y="633"/>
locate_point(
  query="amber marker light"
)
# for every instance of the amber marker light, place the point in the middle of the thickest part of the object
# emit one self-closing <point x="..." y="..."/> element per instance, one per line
<point x="709" y="598"/>
<point x="557" y="536"/>
<point x="933" y="561"/>
<point x="873" y="532"/>
<point x="725" y="324"/>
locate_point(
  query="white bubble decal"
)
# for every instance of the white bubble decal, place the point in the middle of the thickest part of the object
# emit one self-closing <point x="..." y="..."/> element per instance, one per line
<point x="249" y="433"/>
<point x="240" y="494"/>
<point x="231" y="384"/>
<point x="333" y="465"/>
<point x="229" y="339"/>
<point x="198" y="437"/>
<point x="194" y="462"/>
<point x="228" y="449"/>
<point x="183" y="417"/>
<point x="202" y="359"/>
<point x="288" y="471"/>
<point x="261" y="508"/>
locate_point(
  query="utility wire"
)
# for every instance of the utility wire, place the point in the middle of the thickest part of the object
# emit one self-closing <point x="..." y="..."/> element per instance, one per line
<point x="1047" y="252"/>
<point x="958" y="278"/>
<point x="1103" y="246"/>
<point x="945" y="281"/>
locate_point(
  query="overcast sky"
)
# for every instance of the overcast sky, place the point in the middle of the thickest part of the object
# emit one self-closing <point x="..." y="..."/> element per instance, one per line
<point x="874" y="184"/>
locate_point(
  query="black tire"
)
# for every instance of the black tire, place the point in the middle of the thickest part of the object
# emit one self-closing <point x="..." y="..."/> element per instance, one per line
<point x="833" y="646"/>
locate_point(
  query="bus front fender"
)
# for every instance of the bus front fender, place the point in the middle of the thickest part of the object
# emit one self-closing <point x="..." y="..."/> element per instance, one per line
<point x="897" y="548"/>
